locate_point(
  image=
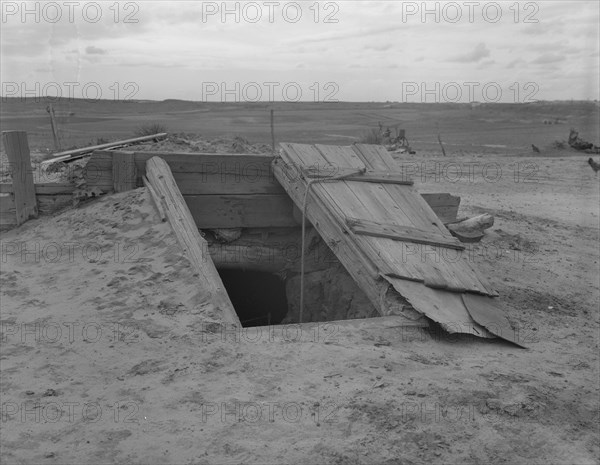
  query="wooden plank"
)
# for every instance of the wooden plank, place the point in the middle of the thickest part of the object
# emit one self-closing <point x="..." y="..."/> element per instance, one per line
<point x="367" y="201"/>
<point x="443" y="307"/>
<point x="42" y="188"/>
<point x="400" y="233"/>
<point x="159" y="202"/>
<point x="17" y="151"/>
<point x="379" y="177"/>
<point x="74" y="154"/>
<point x="124" y="172"/>
<point x="193" y="244"/>
<point x="457" y="274"/>
<point x="198" y="174"/>
<point x="486" y="312"/>
<point x="99" y="171"/>
<point x="241" y="211"/>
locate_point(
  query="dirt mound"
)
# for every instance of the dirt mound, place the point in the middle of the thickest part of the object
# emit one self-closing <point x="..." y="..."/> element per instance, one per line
<point x="185" y="142"/>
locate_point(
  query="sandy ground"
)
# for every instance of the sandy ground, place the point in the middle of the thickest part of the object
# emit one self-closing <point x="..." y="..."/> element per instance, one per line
<point x="139" y="373"/>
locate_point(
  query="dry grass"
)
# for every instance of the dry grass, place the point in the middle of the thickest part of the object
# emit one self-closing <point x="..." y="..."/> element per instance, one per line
<point x="150" y="129"/>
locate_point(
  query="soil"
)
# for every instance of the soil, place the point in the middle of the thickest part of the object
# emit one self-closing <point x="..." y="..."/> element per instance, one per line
<point x="141" y="373"/>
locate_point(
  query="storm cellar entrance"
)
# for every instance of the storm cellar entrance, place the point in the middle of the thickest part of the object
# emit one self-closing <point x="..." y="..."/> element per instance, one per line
<point x="259" y="297"/>
<point x="260" y="269"/>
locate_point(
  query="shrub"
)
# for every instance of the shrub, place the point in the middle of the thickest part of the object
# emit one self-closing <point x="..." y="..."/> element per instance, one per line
<point x="373" y="136"/>
<point x="150" y="129"/>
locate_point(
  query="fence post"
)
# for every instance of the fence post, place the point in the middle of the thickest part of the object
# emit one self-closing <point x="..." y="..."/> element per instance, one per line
<point x="17" y="150"/>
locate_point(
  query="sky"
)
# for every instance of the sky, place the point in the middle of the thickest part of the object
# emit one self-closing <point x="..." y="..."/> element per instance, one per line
<point x="355" y="50"/>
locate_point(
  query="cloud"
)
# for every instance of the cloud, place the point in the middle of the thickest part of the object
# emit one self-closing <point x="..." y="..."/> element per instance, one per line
<point x="479" y="52"/>
<point x="547" y="58"/>
<point x="514" y="63"/>
<point x="379" y="48"/>
<point x="91" y="50"/>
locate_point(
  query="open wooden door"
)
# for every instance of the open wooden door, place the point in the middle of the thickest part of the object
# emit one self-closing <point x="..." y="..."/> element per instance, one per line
<point x="388" y="238"/>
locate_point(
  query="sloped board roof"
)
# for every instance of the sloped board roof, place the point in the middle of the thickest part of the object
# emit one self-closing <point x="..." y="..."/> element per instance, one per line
<point x="382" y="230"/>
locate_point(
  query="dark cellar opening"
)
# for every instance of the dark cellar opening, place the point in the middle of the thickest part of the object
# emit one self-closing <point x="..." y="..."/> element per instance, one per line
<point x="259" y="297"/>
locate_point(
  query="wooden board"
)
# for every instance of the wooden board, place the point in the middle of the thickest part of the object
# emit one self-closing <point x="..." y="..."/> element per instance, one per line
<point x="401" y="210"/>
<point x="443" y="307"/>
<point x="241" y="211"/>
<point x="17" y="151"/>
<point x="42" y="188"/>
<point x="74" y="154"/>
<point x="489" y="314"/>
<point x="400" y="233"/>
<point x="193" y="244"/>
<point x="124" y="172"/>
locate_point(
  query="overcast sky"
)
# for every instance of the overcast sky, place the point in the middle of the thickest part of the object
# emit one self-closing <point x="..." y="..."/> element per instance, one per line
<point x="345" y="50"/>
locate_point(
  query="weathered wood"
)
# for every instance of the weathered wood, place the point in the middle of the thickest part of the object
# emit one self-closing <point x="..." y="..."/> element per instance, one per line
<point x="159" y="202"/>
<point x="42" y="188"/>
<point x="442" y="306"/>
<point x="211" y="183"/>
<point x="17" y="150"/>
<point x="444" y="205"/>
<point x="472" y="229"/>
<point x="50" y="198"/>
<point x="379" y="177"/>
<point x="401" y="233"/>
<point x="54" y="125"/>
<point x="275" y="250"/>
<point x="124" y="172"/>
<point x="491" y="316"/>
<point x="364" y="272"/>
<point x="74" y="154"/>
<point x="241" y="211"/>
<point x="194" y="246"/>
<point x="390" y="205"/>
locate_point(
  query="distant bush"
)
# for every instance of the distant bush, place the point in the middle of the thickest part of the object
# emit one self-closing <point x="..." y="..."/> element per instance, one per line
<point x="559" y="144"/>
<point x="150" y="129"/>
<point x="374" y="136"/>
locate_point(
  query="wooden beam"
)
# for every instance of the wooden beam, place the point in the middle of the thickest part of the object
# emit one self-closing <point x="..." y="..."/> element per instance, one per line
<point x="241" y="211"/>
<point x="380" y="177"/>
<point x="17" y="150"/>
<point x="159" y="202"/>
<point x="401" y="233"/>
<point x="74" y="154"/>
<point x="124" y="172"/>
<point x="193" y="244"/>
<point x="42" y="188"/>
<point x="275" y="250"/>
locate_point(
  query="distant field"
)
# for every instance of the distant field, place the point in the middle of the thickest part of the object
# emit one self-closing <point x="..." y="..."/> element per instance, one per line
<point x="490" y="128"/>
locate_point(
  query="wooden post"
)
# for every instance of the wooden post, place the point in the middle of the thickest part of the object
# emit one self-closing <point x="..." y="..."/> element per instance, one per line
<point x="50" y="110"/>
<point x="17" y="150"/>
<point x="194" y="245"/>
<point x="441" y="144"/>
<point x="273" y="130"/>
<point x="124" y="172"/>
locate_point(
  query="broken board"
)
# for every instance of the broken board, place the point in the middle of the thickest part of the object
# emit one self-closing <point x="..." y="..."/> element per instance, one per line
<point x="384" y="232"/>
